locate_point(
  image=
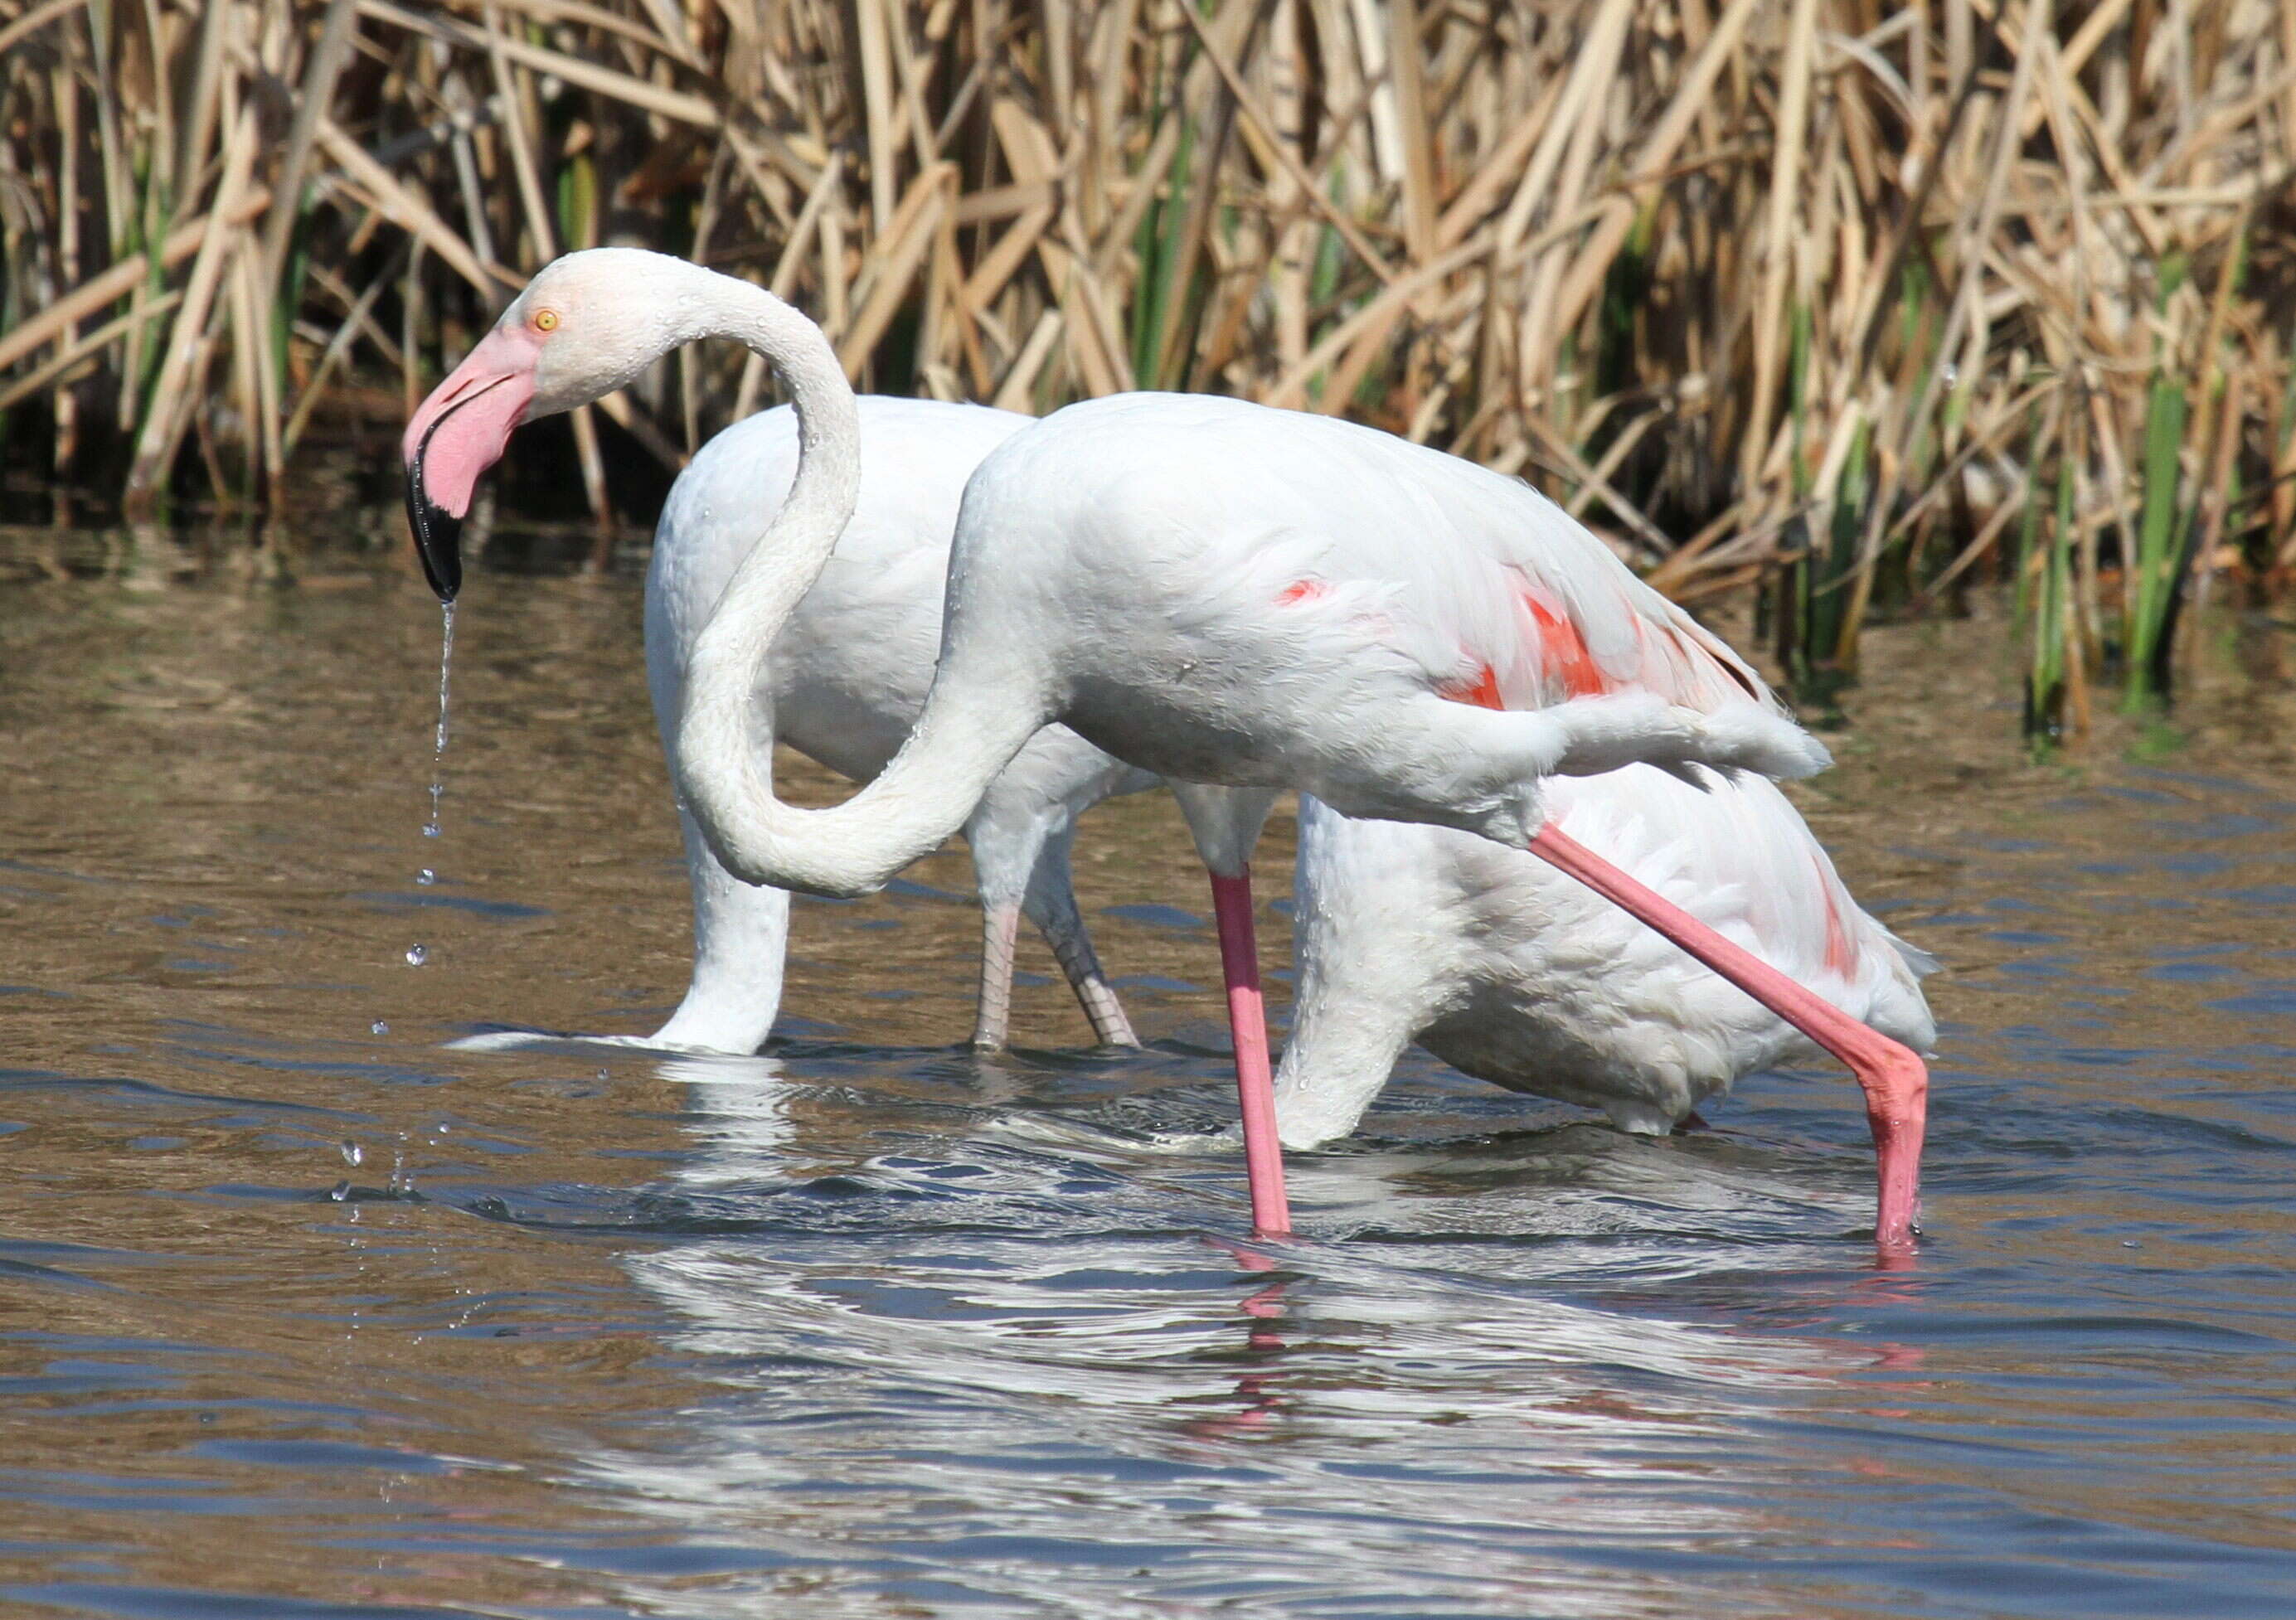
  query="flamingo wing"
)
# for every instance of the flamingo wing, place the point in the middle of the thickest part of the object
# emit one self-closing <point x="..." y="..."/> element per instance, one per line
<point x="1503" y="598"/>
<point x="1555" y="615"/>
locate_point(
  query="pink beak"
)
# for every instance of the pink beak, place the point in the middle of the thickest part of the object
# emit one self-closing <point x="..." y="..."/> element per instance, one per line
<point x="457" y="434"/>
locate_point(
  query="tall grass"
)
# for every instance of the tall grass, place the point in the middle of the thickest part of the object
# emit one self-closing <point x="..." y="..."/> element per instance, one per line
<point x="1751" y="285"/>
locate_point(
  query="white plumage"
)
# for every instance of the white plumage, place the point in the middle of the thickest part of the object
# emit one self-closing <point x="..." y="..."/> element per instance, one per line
<point x="1227" y="594"/>
<point x="1488" y="957"/>
<point x="1511" y="972"/>
<point x="845" y="680"/>
<point x="1212" y="590"/>
<point x="849" y="674"/>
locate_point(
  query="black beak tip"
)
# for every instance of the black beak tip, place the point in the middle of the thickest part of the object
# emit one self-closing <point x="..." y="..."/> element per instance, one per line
<point x="438" y="537"/>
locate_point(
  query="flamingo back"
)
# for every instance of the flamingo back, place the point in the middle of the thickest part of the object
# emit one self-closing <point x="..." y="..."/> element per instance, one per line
<point x="1492" y="593"/>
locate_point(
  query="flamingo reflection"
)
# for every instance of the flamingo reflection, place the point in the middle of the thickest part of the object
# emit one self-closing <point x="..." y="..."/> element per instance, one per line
<point x="916" y="1361"/>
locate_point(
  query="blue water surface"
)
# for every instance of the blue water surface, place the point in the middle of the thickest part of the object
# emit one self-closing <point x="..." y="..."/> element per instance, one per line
<point x="304" y="1319"/>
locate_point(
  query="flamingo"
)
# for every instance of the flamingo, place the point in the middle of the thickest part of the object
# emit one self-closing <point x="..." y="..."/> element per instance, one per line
<point x="1515" y="975"/>
<point x="1510" y="971"/>
<point x="1237" y="599"/>
<point x="845" y="682"/>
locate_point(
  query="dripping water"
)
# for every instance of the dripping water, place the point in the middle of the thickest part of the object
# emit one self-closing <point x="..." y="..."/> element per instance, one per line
<point x="417" y="955"/>
<point x="438" y="740"/>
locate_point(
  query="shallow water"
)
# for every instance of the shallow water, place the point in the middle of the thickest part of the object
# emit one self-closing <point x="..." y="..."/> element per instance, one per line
<point x="302" y="1318"/>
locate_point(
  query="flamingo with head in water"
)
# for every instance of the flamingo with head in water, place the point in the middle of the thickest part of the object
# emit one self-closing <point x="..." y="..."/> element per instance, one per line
<point x="1510" y="971"/>
<point x="845" y="681"/>
<point x="1216" y="591"/>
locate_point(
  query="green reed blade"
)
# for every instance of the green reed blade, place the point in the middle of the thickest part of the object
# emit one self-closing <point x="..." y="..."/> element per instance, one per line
<point x="2045" y="702"/>
<point x="2028" y="527"/>
<point x="1158" y="248"/>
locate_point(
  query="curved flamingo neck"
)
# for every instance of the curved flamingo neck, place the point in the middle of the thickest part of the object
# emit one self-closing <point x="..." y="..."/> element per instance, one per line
<point x="727" y="729"/>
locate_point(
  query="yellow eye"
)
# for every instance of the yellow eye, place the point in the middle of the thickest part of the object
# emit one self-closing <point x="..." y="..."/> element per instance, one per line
<point x="545" y="320"/>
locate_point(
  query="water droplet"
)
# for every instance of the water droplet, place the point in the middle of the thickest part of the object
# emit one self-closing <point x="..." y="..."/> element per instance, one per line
<point x="353" y="1153"/>
<point x="417" y="955"/>
<point x="378" y="1027"/>
<point x="343" y="1191"/>
<point x="426" y="876"/>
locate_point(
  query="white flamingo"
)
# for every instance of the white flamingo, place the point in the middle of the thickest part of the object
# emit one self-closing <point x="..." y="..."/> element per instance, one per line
<point x="1510" y="971"/>
<point x="1212" y="590"/>
<point x="845" y="681"/>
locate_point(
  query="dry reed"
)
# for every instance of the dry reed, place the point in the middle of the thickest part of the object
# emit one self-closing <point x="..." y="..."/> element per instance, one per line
<point x="1834" y="293"/>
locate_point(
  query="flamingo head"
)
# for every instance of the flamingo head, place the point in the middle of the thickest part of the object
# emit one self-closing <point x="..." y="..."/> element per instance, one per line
<point x="587" y="324"/>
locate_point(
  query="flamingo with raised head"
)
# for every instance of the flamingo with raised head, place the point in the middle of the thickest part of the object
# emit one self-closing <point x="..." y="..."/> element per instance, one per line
<point x="1217" y="593"/>
<point x="845" y="681"/>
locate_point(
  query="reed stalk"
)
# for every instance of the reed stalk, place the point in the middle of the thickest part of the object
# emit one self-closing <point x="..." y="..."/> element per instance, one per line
<point x="1769" y="290"/>
<point x="2045" y="587"/>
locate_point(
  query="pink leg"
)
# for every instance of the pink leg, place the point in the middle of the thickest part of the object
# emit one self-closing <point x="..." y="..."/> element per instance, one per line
<point x="1247" y="1022"/>
<point x="1897" y="1084"/>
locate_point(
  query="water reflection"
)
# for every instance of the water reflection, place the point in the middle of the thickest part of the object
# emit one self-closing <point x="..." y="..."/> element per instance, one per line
<point x="870" y="1326"/>
<point x="951" y="1389"/>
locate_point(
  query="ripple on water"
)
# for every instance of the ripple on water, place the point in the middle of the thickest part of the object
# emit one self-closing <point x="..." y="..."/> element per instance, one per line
<point x="313" y="1326"/>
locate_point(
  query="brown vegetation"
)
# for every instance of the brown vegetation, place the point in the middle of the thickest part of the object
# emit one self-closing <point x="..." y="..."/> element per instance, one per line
<point x="1860" y="299"/>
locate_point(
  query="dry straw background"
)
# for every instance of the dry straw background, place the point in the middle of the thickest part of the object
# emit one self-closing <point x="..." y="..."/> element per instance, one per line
<point x="1857" y="301"/>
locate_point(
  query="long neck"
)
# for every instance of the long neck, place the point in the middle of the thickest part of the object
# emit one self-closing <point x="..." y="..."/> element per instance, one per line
<point x="962" y="741"/>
